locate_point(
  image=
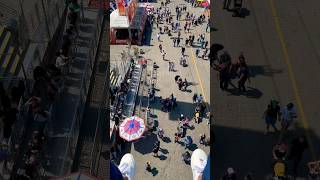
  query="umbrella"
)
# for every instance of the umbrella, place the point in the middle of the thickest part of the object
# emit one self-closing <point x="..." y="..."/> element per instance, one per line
<point x="205" y="4"/>
<point x="132" y="128"/>
<point x="200" y="0"/>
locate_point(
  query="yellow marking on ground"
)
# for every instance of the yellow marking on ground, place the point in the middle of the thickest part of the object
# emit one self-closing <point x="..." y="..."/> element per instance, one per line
<point x="291" y="76"/>
<point x="198" y="75"/>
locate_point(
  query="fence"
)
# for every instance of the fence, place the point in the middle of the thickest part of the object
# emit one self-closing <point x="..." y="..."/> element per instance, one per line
<point x="101" y="132"/>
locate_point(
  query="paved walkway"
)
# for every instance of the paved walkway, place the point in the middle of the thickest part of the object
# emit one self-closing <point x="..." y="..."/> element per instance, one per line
<point x="169" y="165"/>
<point x="277" y="38"/>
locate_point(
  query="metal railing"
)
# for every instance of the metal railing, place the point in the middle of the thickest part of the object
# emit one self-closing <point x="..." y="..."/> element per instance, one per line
<point x="80" y="105"/>
<point x="100" y="133"/>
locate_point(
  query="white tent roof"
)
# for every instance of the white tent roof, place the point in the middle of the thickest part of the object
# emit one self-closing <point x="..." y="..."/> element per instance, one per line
<point x="117" y="21"/>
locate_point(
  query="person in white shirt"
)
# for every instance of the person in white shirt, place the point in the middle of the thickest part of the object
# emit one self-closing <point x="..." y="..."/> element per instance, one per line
<point x="158" y="37"/>
<point x="61" y="63"/>
<point x="199" y="99"/>
<point x="288" y="116"/>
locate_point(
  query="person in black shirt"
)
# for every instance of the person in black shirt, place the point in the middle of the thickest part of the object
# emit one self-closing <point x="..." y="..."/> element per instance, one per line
<point x="224" y="76"/>
<point x="230" y="175"/>
<point x="271" y="114"/>
<point x="243" y="76"/>
<point x="298" y="146"/>
<point x="66" y="42"/>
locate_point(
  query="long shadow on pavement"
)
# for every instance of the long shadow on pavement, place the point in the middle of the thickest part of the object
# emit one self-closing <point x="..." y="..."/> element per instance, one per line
<point x="251" y="92"/>
<point x="145" y="145"/>
<point x="251" y="151"/>
<point x="184" y="108"/>
<point x="154" y="171"/>
<point x="263" y="70"/>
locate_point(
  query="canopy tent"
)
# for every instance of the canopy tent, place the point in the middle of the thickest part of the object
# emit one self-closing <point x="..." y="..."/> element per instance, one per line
<point x="117" y="21"/>
<point x="120" y="25"/>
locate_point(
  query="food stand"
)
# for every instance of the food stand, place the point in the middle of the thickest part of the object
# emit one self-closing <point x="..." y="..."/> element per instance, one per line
<point x="125" y="19"/>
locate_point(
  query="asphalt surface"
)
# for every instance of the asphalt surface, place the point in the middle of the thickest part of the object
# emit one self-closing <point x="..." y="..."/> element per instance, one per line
<point x="169" y="164"/>
<point x="281" y="43"/>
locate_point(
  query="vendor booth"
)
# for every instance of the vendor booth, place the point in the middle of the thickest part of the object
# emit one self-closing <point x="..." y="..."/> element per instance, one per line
<point x="125" y="19"/>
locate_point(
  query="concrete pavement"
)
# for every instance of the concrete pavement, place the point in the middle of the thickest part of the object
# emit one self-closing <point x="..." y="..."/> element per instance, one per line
<point x="280" y="44"/>
<point x="169" y="165"/>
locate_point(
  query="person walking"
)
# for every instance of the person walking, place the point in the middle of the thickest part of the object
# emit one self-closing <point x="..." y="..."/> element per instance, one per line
<point x="158" y="37"/>
<point x="187" y="42"/>
<point x="163" y="55"/>
<point x="204" y="53"/>
<point x="148" y="166"/>
<point x="178" y="42"/>
<point x="197" y="52"/>
<point x="184" y="131"/>
<point x="174" y="42"/>
<point x="200" y="99"/>
<point x="194" y="98"/>
<point x="160" y="48"/>
<point x="230" y="175"/>
<point x="176" y="137"/>
<point x="237" y="4"/>
<point x="224" y="76"/>
<point x="226" y="4"/>
<point x="157" y="143"/>
<point x="206" y="44"/>
<point x="172" y="66"/>
<point x="208" y="27"/>
<point x="155" y="151"/>
<point x="183" y="49"/>
<point x="243" y="77"/>
<point x="271" y="115"/>
<point x="169" y="65"/>
<point x="298" y="146"/>
<point x="288" y="116"/>
<point x="202" y="139"/>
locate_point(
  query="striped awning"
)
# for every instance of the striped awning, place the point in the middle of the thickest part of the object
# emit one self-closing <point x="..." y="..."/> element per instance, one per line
<point x="114" y="77"/>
